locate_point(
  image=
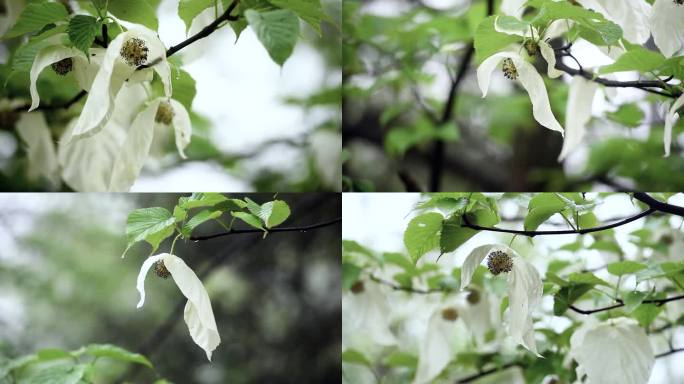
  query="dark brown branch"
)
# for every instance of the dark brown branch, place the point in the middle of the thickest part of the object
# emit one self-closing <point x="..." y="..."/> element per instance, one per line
<point x="398" y="287"/>
<point x="271" y="230"/>
<point x="670" y="352"/>
<point x="486" y="372"/>
<point x="645" y="85"/>
<point x="582" y="231"/>
<point x="620" y="303"/>
<point x="439" y="145"/>
<point x="659" y="205"/>
<point x="206" y="31"/>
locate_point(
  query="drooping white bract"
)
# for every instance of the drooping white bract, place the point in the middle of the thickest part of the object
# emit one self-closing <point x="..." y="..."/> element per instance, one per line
<point x="524" y="291"/>
<point x="670" y="120"/>
<point x="667" y="26"/>
<point x="42" y="158"/>
<point x="513" y="7"/>
<point x="88" y="163"/>
<point x="198" y="314"/>
<point x="578" y="113"/>
<point x="631" y="15"/>
<point x="112" y="75"/>
<point x="367" y="314"/>
<point x="616" y="351"/>
<point x="135" y="149"/>
<point x="438" y="347"/>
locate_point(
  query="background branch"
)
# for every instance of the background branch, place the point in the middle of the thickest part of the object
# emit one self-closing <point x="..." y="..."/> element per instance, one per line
<point x="271" y="230"/>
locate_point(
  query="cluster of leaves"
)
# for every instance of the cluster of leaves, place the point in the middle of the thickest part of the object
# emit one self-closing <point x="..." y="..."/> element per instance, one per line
<point x="60" y="366"/>
<point x="437" y="229"/>
<point x="156" y="224"/>
<point x="395" y="84"/>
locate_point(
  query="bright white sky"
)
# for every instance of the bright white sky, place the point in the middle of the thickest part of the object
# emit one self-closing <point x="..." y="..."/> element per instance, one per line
<point x="378" y="220"/>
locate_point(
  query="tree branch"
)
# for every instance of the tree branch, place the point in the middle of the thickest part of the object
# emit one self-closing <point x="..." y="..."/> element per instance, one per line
<point x="398" y="287"/>
<point x="638" y="216"/>
<point x="272" y="230"/>
<point x="439" y="145"/>
<point x="645" y="85"/>
<point x="657" y="302"/>
<point x="486" y="372"/>
<point x="659" y="205"/>
<point x="670" y="352"/>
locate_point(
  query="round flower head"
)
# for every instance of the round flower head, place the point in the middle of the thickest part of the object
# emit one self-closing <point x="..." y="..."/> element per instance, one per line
<point x="161" y="270"/>
<point x="134" y="52"/>
<point x="498" y="262"/>
<point x="509" y="70"/>
<point x="524" y="287"/>
<point x="164" y="113"/>
<point x="357" y="287"/>
<point x="450" y="314"/>
<point x="473" y="296"/>
<point x="63" y="66"/>
<point x="531" y="47"/>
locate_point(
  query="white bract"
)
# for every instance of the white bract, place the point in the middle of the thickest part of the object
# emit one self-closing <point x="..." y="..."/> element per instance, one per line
<point x="670" y="120"/>
<point x="524" y="291"/>
<point x="84" y="69"/>
<point x="578" y="113"/>
<point x="631" y="15"/>
<point x="438" y="346"/>
<point x="114" y="72"/>
<point x="367" y="312"/>
<point x="198" y="315"/>
<point x="613" y="352"/>
<point x="667" y="26"/>
<point x="35" y="133"/>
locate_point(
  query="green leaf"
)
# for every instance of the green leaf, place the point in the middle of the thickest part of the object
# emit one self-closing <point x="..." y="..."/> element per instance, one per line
<point x="197" y="200"/>
<point x="184" y="87"/>
<point x="626" y="267"/>
<point x="646" y="313"/>
<point x="274" y="213"/>
<point x="135" y="11"/>
<point x="592" y="25"/>
<point x="586" y="278"/>
<point x="201" y="217"/>
<point x="633" y="300"/>
<point x="36" y="16"/>
<point x="587" y="220"/>
<point x="636" y="59"/>
<point x="629" y="115"/>
<point x="117" y="353"/>
<point x="309" y="10"/>
<point x="56" y="374"/>
<point x="402" y="359"/>
<point x="250" y="219"/>
<point x="82" y="31"/>
<point x="350" y="275"/>
<point x="179" y="214"/>
<point x="399" y="259"/>
<point x="567" y="295"/>
<point x="354" y="356"/>
<point x="150" y="224"/>
<point x="488" y="41"/>
<point x="189" y="9"/>
<point x="53" y="354"/>
<point x="277" y="30"/>
<point x="422" y="234"/>
<point x="540" y="208"/>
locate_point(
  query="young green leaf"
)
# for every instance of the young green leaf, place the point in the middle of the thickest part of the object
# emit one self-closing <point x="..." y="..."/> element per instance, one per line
<point x="150" y="224"/>
<point x="82" y="31"/>
<point x="201" y="217"/>
<point x="309" y="10"/>
<point x="136" y="11"/>
<point x="36" y="16"/>
<point x="277" y="30"/>
<point x="198" y="199"/>
<point x="189" y="9"/>
<point x="250" y="219"/>
<point x="626" y="267"/>
<point x="354" y="356"/>
<point x="117" y="353"/>
<point x="422" y="234"/>
<point x="540" y="208"/>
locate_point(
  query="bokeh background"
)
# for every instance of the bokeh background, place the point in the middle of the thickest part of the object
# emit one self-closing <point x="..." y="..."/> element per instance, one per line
<point x="378" y="221"/>
<point x="276" y="300"/>
<point x="257" y="126"/>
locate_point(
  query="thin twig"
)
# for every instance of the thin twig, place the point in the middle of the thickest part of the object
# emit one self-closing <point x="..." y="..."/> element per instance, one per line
<point x="657" y="302"/>
<point x="645" y="85"/>
<point x="271" y="230"/>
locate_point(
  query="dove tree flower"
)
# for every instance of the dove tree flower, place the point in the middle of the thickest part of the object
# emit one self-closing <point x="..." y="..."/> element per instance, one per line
<point x="368" y="312"/>
<point x="524" y="287"/>
<point x="42" y="157"/>
<point x="198" y="313"/>
<point x="578" y="113"/>
<point x="612" y="352"/>
<point x="517" y="67"/>
<point x="121" y="63"/>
